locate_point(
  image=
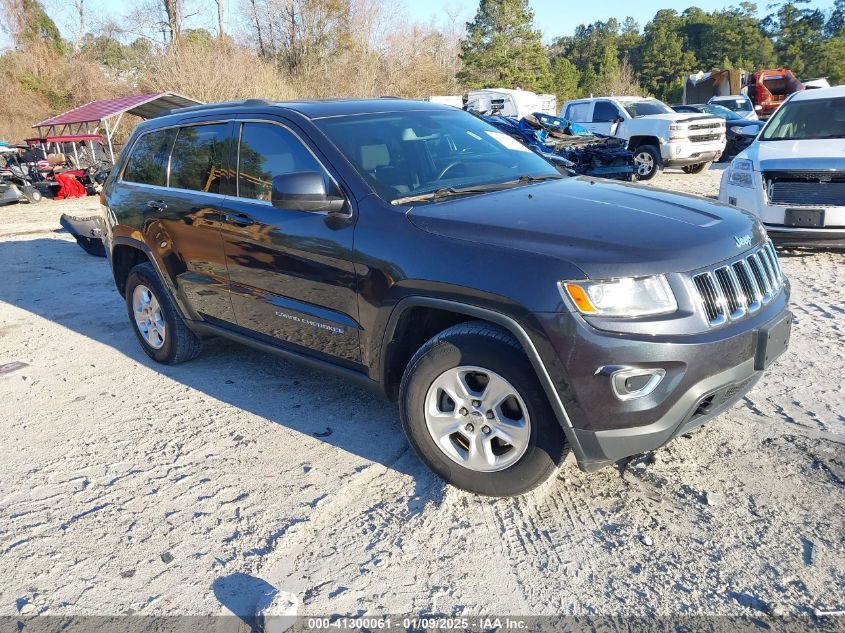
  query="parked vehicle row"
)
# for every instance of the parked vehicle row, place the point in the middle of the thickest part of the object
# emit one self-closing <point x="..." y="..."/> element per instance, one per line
<point x="568" y="146"/>
<point x="739" y="131"/>
<point x="739" y="104"/>
<point x="19" y="176"/>
<point x="514" y="312"/>
<point x="29" y="173"/>
<point x="658" y="136"/>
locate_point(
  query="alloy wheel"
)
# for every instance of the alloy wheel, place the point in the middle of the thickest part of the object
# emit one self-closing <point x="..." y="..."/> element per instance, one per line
<point x="148" y="317"/>
<point x="477" y="419"/>
<point x="644" y="163"/>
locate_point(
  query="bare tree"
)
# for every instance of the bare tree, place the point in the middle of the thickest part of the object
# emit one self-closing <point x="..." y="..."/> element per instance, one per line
<point x="221" y="6"/>
<point x="173" y="14"/>
<point x="79" y="5"/>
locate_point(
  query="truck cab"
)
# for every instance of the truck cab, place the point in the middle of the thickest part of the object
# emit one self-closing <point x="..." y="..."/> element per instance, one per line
<point x="658" y="136"/>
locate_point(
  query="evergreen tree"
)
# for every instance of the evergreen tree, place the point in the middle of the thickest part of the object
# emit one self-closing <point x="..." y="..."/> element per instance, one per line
<point x="565" y="79"/>
<point x="502" y="48"/>
<point x="835" y="25"/>
<point x="29" y="23"/>
<point x="798" y="33"/>
<point x="666" y="60"/>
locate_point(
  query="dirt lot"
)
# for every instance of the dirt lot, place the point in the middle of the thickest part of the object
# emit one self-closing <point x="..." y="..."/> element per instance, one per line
<point x="129" y="487"/>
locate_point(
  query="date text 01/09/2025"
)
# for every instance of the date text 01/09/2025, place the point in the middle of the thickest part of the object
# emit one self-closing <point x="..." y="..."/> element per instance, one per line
<point x="418" y="623"/>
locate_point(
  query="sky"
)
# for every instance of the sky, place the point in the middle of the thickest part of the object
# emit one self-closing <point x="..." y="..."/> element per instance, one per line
<point x="552" y="17"/>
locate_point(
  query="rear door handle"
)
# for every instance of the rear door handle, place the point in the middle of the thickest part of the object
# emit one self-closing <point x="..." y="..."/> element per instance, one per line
<point x="241" y="219"/>
<point x="158" y="205"/>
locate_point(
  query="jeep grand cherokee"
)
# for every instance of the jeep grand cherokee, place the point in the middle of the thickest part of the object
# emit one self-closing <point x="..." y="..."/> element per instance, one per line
<point x="515" y="313"/>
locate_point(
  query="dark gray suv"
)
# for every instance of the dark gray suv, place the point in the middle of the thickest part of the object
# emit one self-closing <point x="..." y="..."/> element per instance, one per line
<point x="514" y="312"/>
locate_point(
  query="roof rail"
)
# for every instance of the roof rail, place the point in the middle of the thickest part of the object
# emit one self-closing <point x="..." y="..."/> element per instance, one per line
<point x="219" y="104"/>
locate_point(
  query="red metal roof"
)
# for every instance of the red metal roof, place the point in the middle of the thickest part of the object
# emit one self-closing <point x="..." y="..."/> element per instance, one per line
<point x="146" y="105"/>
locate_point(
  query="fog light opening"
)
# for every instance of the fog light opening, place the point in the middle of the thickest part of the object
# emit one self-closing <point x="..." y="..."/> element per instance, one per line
<point x="629" y="383"/>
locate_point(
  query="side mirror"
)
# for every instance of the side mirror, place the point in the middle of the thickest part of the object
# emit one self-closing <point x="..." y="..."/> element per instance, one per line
<point x="758" y="108"/>
<point x="750" y="131"/>
<point x="305" y="191"/>
<point x="618" y="119"/>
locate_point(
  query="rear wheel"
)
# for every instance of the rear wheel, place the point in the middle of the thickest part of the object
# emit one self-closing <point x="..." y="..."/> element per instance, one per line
<point x="697" y="168"/>
<point x="158" y="327"/>
<point x="647" y="163"/>
<point x="474" y="411"/>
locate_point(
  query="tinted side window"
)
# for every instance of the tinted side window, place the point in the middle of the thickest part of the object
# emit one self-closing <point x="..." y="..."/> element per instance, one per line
<point x="578" y="112"/>
<point x="604" y="112"/>
<point x="199" y="156"/>
<point x="148" y="163"/>
<point x="269" y="150"/>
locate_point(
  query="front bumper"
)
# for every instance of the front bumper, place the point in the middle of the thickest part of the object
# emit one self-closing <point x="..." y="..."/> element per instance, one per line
<point x="773" y="216"/>
<point x="790" y="236"/>
<point x="679" y="154"/>
<point x="705" y="375"/>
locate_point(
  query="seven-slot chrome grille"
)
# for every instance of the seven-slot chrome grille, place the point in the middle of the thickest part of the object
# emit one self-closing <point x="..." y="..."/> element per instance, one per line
<point x="741" y="287"/>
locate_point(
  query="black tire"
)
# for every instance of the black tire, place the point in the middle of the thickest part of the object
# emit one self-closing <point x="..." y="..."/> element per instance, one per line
<point x="656" y="162"/>
<point x="697" y="168"/>
<point x="32" y="194"/>
<point x="486" y="346"/>
<point x="180" y="343"/>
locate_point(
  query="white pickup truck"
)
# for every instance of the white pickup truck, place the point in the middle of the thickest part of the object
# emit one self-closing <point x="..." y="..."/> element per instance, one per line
<point x="658" y="136"/>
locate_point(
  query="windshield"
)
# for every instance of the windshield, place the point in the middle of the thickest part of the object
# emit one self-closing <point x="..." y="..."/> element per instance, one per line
<point x="410" y="153"/>
<point x="719" y="111"/>
<point x="646" y="107"/>
<point x="807" y="119"/>
<point x="737" y="105"/>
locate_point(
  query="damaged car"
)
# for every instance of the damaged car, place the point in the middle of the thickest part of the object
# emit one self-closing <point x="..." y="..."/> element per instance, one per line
<point x="569" y="146"/>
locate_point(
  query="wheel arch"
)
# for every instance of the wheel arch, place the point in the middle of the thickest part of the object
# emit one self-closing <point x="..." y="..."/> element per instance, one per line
<point x="125" y="255"/>
<point x="643" y="139"/>
<point x="465" y="312"/>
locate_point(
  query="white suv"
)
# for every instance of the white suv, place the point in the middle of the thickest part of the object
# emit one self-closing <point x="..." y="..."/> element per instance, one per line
<point x="658" y="136"/>
<point x="792" y="176"/>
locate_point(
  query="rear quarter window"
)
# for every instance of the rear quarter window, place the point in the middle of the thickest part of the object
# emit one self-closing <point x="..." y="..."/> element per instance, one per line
<point x="147" y="164"/>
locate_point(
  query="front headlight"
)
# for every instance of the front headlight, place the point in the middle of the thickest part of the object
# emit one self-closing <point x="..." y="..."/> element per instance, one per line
<point x="736" y="129"/>
<point x="678" y="132"/>
<point x="626" y="297"/>
<point x="741" y="173"/>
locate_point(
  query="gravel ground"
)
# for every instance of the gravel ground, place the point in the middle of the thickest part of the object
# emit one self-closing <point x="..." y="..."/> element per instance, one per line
<point x="129" y="487"/>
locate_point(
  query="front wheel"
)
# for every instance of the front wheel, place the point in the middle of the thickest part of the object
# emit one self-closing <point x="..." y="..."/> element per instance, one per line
<point x="697" y="168"/>
<point x="647" y="162"/>
<point x="474" y="411"/>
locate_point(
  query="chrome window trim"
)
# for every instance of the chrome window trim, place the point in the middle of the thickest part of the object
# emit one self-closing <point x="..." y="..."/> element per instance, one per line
<point x="240" y="121"/>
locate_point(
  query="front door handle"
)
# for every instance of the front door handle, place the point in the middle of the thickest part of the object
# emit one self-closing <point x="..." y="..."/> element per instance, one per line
<point x="241" y="219"/>
<point x="158" y="205"/>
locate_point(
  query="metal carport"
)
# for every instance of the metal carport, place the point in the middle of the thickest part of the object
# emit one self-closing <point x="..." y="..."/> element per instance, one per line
<point x="104" y="116"/>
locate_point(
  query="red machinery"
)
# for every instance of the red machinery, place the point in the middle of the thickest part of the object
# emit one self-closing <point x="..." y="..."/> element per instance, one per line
<point x="768" y="88"/>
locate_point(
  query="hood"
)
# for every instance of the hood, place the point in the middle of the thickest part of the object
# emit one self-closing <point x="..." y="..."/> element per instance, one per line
<point x="817" y="154"/>
<point x="606" y="228"/>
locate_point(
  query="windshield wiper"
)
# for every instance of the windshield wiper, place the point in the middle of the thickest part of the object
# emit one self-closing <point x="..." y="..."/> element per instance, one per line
<point x="447" y="192"/>
<point x="524" y="180"/>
